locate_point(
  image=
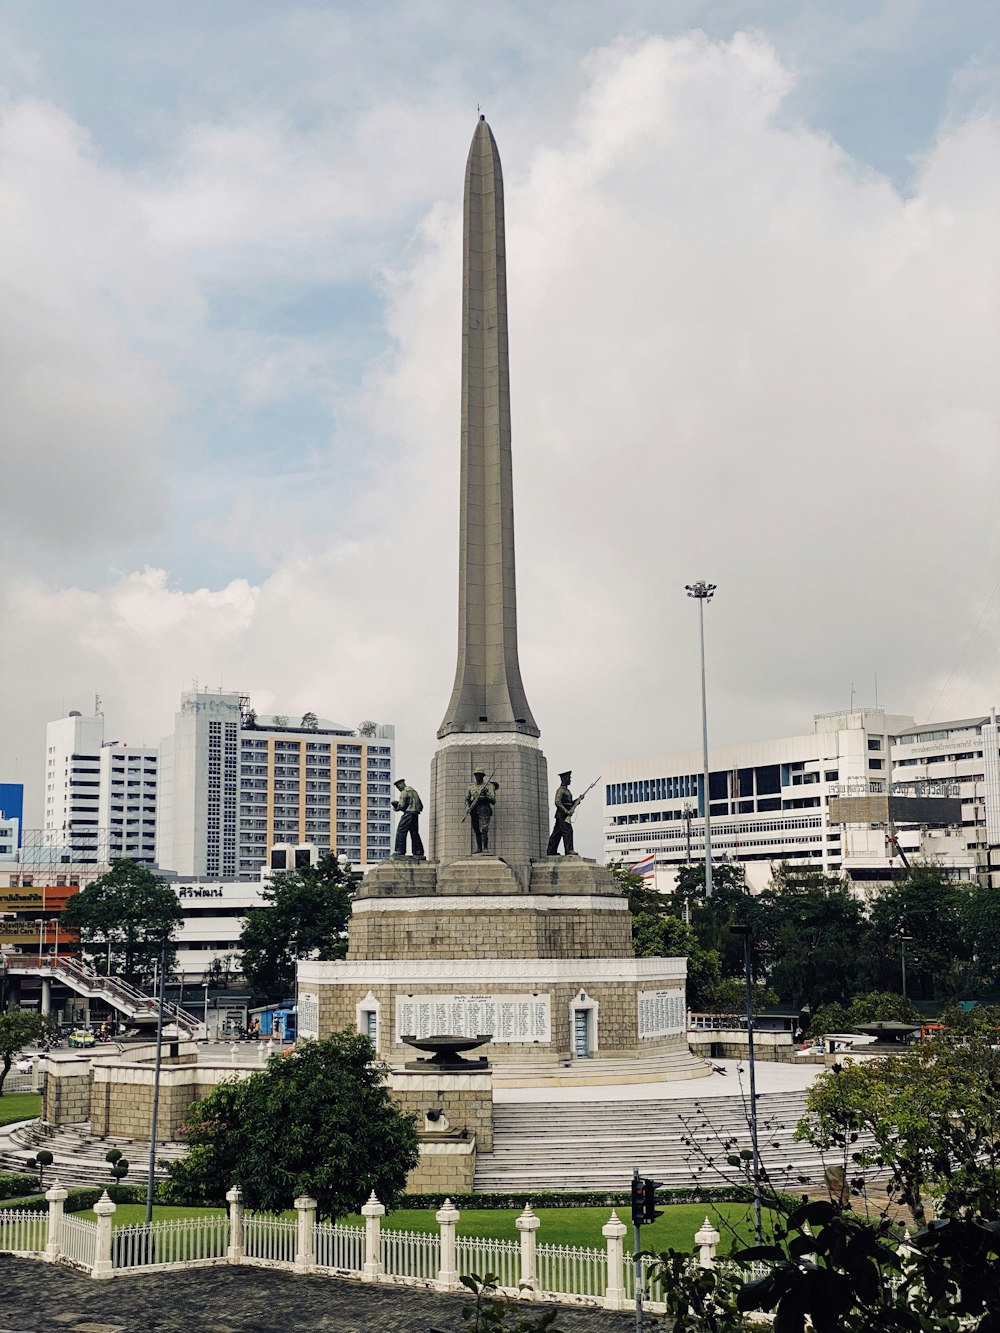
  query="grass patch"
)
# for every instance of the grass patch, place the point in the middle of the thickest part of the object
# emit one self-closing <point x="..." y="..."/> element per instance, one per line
<point x="560" y="1226"/>
<point x="582" y="1226"/>
<point x="134" y="1214"/>
<point x="19" y="1106"/>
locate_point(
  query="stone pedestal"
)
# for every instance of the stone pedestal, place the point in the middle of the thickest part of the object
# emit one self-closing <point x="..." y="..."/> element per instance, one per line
<point x="519" y="829"/>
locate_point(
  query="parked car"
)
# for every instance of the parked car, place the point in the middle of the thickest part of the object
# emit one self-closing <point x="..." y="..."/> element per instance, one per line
<point x="24" y="1065"/>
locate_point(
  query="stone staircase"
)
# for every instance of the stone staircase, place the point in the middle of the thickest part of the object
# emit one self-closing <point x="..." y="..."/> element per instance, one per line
<point x="594" y="1145"/>
<point x="78" y="1158"/>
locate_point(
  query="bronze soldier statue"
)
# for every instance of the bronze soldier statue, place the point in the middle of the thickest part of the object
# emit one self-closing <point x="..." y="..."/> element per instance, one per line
<point x="409" y="805"/>
<point x="563" y="829"/>
<point x="479" y="802"/>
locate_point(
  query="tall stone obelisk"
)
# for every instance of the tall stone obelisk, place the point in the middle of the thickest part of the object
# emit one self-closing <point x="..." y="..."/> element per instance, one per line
<point x="488" y="724"/>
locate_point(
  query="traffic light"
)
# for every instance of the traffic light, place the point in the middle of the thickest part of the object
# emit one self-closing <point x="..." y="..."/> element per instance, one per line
<point x="644" y="1201"/>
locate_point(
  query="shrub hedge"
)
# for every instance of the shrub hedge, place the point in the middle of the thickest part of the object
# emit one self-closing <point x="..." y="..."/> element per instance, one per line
<point x="13" y="1183"/>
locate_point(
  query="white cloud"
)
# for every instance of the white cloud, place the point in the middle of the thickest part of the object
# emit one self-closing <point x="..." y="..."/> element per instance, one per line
<point x="736" y="355"/>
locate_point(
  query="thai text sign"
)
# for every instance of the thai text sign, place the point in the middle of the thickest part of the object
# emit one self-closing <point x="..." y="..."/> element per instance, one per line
<point x="505" y="1018"/>
<point x="661" y="1013"/>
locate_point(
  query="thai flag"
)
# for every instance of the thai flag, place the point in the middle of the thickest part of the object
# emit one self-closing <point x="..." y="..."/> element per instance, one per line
<point x="646" y="867"/>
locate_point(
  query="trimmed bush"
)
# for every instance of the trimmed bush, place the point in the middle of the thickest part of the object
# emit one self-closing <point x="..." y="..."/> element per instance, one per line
<point x="594" y="1198"/>
<point x="13" y="1184"/>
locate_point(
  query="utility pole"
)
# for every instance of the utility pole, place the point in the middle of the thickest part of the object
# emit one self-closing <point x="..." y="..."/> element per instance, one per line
<point x="758" y="1226"/>
<point x="704" y="592"/>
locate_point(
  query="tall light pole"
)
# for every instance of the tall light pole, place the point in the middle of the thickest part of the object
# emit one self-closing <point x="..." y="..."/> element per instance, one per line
<point x="704" y="592"/>
<point x="758" y="1226"/>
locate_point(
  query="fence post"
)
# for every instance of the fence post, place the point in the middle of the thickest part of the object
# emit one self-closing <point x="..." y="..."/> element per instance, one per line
<point x="105" y="1210"/>
<point x="305" y="1251"/>
<point x="706" y="1239"/>
<point x="236" y="1250"/>
<point x="372" y="1212"/>
<point x="56" y="1197"/>
<point x="527" y="1224"/>
<point x="613" y="1232"/>
<point x="447" y="1219"/>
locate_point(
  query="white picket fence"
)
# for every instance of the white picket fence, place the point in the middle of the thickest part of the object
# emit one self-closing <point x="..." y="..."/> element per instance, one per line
<point x="485" y="1255"/>
<point x="180" y="1241"/>
<point x="23" y="1232"/>
<point x="78" y="1242"/>
<point x="271" y="1239"/>
<point x="340" y="1248"/>
<point x="569" y="1273"/>
<point x="410" y="1254"/>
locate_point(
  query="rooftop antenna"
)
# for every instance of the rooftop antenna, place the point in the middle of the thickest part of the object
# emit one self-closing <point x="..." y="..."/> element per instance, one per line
<point x="876" y="689"/>
<point x="97" y="705"/>
<point x="851" y="709"/>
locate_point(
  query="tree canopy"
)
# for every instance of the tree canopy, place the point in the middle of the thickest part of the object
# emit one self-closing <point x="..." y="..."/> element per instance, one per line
<point x="930" y="1114"/>
<point x="306" y="917"/>
<point x="318" y="1121"/>
<point x="128" y="911"/>
<point x="20" y="1028"/>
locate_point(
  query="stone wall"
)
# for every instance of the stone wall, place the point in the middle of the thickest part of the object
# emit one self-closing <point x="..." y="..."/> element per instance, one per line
<point x="726" y="1044"/>
<point x="515" y="928"/>
<point x="66" y="1091"/>
<point x="617" y="1029"/>
<point x="466" y="1101"/>
<point x="444" y="1168"/>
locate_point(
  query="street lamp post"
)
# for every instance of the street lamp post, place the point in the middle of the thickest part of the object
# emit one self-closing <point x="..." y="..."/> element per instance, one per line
<point x="41" y="938"/>
<point x="151" y="1179"/>
<point x="206" y="985"/>
<point x="758" y="1227"/>
<point x="704" y="592"/>
<point x="904" y="940"/>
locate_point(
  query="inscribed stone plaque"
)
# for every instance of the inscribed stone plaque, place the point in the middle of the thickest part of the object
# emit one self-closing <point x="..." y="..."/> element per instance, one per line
<point x="308" y="1014"/>
<point x="661" y="1013"/>
<point x="506" y="1018"/>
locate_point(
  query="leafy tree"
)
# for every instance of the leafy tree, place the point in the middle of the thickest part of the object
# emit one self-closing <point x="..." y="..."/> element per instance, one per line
<point x="814" y="933"/>
<point x="927" y="907"/>
<point x="319" y="1121"/>
<point x="979" y="910"/>
<point x="869" y="1007"/>
<point x="20" y="1028"/>
<point x="307" y="917"/>
<point x="131" y="911"/>
<point x="658" y="933"/>
<point x="931" y="1114"/>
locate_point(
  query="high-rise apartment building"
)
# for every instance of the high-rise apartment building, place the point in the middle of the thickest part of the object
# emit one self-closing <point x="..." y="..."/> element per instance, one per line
<point x="234" y="784"/>
<point x="100" y="796"/>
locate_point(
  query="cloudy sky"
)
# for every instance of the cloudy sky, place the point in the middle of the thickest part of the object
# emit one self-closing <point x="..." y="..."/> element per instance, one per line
<point x="753" y="278"/>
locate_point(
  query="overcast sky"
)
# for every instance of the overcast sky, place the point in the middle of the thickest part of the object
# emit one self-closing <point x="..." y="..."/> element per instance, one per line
<point x="753" y="284"/>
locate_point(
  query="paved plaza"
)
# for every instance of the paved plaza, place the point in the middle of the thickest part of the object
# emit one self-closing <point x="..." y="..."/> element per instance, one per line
<point x="39" y="1298"/>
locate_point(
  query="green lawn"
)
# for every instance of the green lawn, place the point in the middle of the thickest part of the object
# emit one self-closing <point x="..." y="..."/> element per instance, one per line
<point x="19" y="1106"/>
<point x="560" y="1226"/>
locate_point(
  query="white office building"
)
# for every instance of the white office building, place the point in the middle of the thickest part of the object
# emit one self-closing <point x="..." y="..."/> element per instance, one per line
<point x="234" y="784"/>
<point x="769" y="802"/>
<point x="100" y="796"/>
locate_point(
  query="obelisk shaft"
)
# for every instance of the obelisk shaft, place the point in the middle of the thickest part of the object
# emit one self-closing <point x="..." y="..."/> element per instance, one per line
<point x="488" y="724"/>
<point x="488" y="694"/>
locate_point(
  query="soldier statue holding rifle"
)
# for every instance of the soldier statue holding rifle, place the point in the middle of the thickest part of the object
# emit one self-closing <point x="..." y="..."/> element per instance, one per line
<point x="479" y="802"/>
<point x="565" y="809"/>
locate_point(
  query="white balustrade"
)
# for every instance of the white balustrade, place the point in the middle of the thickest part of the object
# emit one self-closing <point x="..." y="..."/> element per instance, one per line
<point x="236" y="1250"/>
<point x="305" y="1243"/>
<point x="372" y="1212"/>
<point x="527" y="1224"/>
<point x="613" y="1232"/>
<point x="105" y="1209"/>
<point x="447" y="1219"/>
<point x="56" y="1198"/>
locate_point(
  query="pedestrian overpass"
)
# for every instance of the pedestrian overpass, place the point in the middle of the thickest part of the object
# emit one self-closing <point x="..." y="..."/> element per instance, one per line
<point x="133" y="1004"/>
